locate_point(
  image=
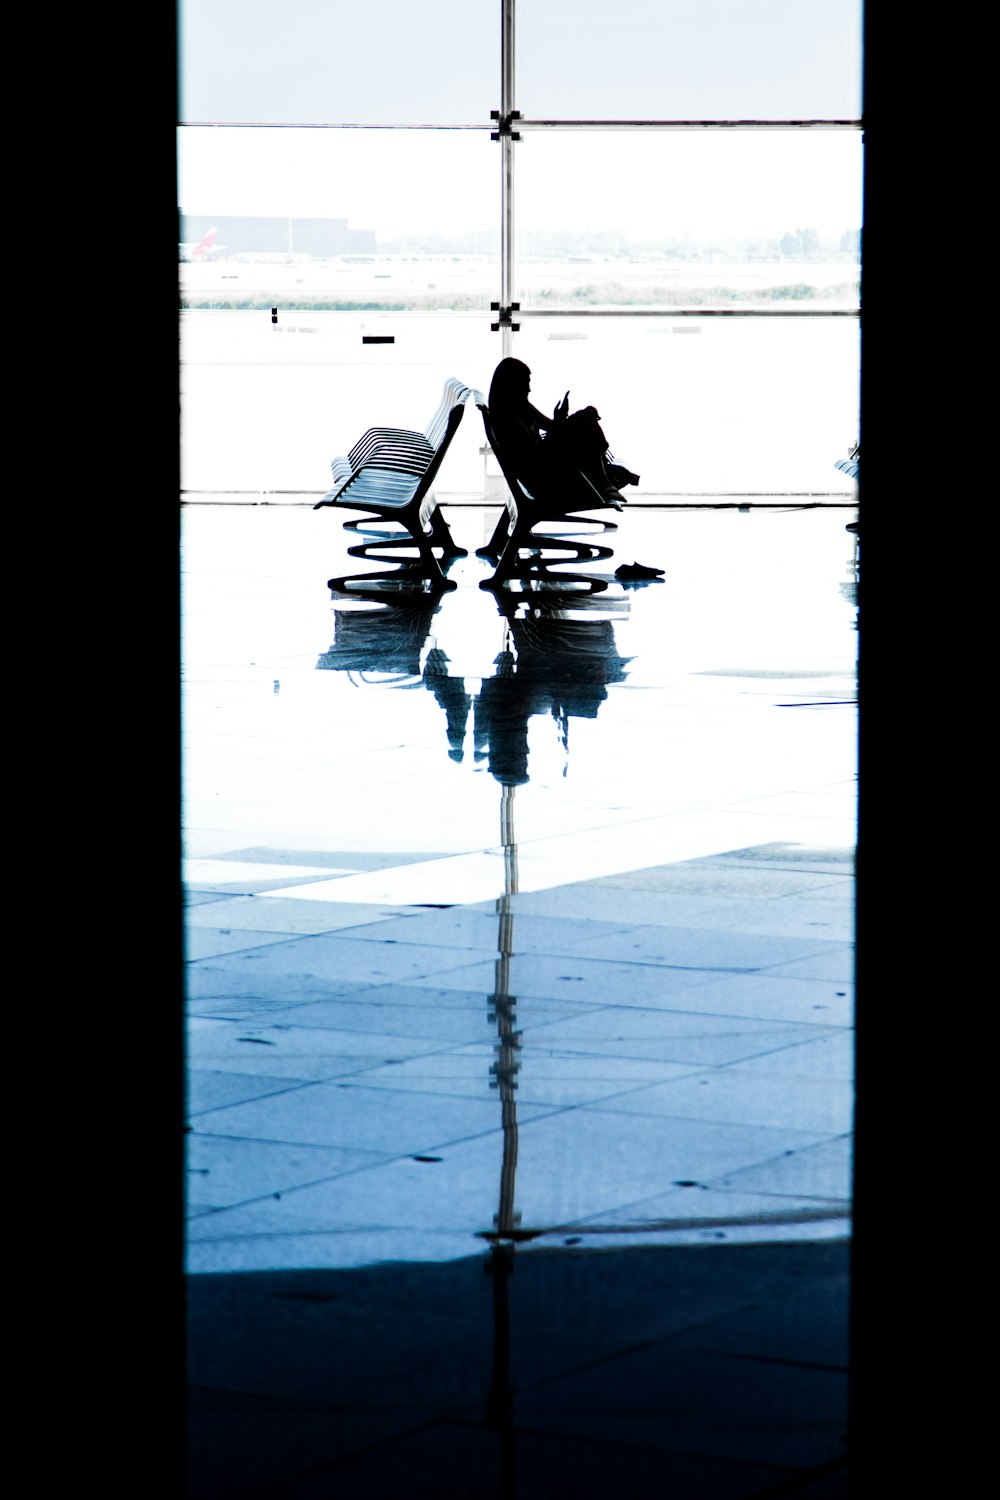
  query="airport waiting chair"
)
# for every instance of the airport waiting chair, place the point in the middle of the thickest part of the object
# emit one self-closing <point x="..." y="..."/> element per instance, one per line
<point x="558" y="493"/>
<point x="388" y="475"/>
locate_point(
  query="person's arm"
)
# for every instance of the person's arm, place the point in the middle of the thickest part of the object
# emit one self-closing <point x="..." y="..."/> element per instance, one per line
<point x="543" y="423"/>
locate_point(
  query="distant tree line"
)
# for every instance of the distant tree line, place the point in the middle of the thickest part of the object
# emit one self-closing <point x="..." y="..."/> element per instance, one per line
<point x="793" y="244"/>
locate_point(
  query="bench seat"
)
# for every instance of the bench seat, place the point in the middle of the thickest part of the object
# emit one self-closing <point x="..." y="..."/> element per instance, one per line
<point x="389" y="474"/>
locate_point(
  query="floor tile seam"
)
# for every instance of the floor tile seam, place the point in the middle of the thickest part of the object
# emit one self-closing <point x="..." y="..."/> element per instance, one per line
<point x="841" y="869"/>
<point x="591" y="1008"/>
<point x="489" y="953"/>
<point x="843" y="1135"/>
<point x="747" y="1357"/>
<point x="580" y="1010"/>
<point x="694" y="1063"/>
<point x="494" y="1097"/>
<point x="330" y="1466"/>
<point x="288" y="941"/>
<point x="808" y="900"/>
<point x="818" y="1134"/>
<point x="694" y="977"/>
<point x="803" y="1476"/>
<point x="280" y="1005"/>
<point x="660" y="928"/>
<point x="207" y="934"/>
<point x="298" y="1087"/>
<point x="298" y="1187"/>
<point x="453" y="1049"/>
<point x="773" y="971"/>
<point x="433" y="1044"/>
<point x="573" y="1010"/>
<point x="771" y="1078"/>
<point x="767" y="1468"/>
<point x="751" y="873"/>
<point x="389" y="1160"/>
<point x="710" y="972"/>
<point x="404" y="1008"/>
<point x="209" y="1137"/>
<point x="628" y="1352"/>
<point x="303" y="1078"/>
<point x="301" y="1187"/>
<point x="705" y="906"/>
<point x="335" y="1231"/>
<point x="707" y="935"/>
<point x="832" y="1030"/>
<point x="714" y="1015"/>
<point x="260" y="1008"/>
<point x="809" y="1213"/>
<point x="717" y="1072"/>
<point x="280" y="932"/>
<point x="470" y="956"/>
<point x="292" y="1087"/>
<point x="219" y="1046"/>
<point x="613" y="927"/>
<point x="843" y="1207"/>
<point x="597" y="1107"/>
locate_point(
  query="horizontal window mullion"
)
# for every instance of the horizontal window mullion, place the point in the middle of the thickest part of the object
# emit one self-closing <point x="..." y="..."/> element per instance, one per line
<point x="316" y="125"/>
<point x="714" y="124"/>
<point x="539" y="125"/>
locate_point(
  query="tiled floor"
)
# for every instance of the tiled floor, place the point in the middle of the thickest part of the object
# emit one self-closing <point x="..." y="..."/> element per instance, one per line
<point x="528" y="948"/>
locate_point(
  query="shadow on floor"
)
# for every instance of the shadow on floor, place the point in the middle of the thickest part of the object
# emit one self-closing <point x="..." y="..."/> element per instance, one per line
<point x="702" y="1373"/>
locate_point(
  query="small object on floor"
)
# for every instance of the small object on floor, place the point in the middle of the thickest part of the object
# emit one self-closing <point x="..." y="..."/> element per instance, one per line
<point x="637" y="570"/>
<point x="854" y="526"/>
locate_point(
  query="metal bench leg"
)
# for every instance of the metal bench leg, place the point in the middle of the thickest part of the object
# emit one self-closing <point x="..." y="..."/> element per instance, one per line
<point x="494" y="547"/>
<point x="443" y="536"/>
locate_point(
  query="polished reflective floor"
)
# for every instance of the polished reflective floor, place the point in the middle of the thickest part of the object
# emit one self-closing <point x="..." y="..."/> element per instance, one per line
<point x="520" y="957"/>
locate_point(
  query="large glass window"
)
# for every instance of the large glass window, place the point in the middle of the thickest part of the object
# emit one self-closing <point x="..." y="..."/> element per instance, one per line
<point x="657" y="233"/>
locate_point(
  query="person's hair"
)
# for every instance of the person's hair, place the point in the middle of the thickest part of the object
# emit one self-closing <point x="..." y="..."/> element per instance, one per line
<point x="510" y="382"/>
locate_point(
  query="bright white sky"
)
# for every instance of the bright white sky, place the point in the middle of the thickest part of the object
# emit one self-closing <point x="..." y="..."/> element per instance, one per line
<point x="655" y="186"/>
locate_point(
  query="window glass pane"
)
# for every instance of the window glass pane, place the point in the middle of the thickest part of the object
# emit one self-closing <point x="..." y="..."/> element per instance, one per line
<point x="399" y="187"/>
<point x="302" y="61"/>
<point x="688" y="218"/>
<point x="334" y="231"/>
<point x="266" y="406"/>
<point x="708" y="406"/>
<point x="689" y="59"/>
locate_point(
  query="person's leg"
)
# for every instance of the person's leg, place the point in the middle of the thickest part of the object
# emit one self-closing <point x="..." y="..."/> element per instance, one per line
<point x="580" y="441"/>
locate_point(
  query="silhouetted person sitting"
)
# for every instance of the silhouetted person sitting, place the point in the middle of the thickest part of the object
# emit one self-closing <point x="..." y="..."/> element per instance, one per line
<point x="533" y="443"/>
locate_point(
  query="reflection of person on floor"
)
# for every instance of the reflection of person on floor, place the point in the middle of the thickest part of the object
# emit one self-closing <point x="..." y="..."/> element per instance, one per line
<point x="534" y="442"/>
<point x="500" y="724"/>
<point x="562" y="668"/>
<point x="452" y="697"/>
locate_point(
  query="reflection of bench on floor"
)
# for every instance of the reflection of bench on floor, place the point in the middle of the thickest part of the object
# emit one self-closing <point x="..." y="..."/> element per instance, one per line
<point x="388" y="475"/>
<point x="385" y="638"/>
<point x="558" y="494"/>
